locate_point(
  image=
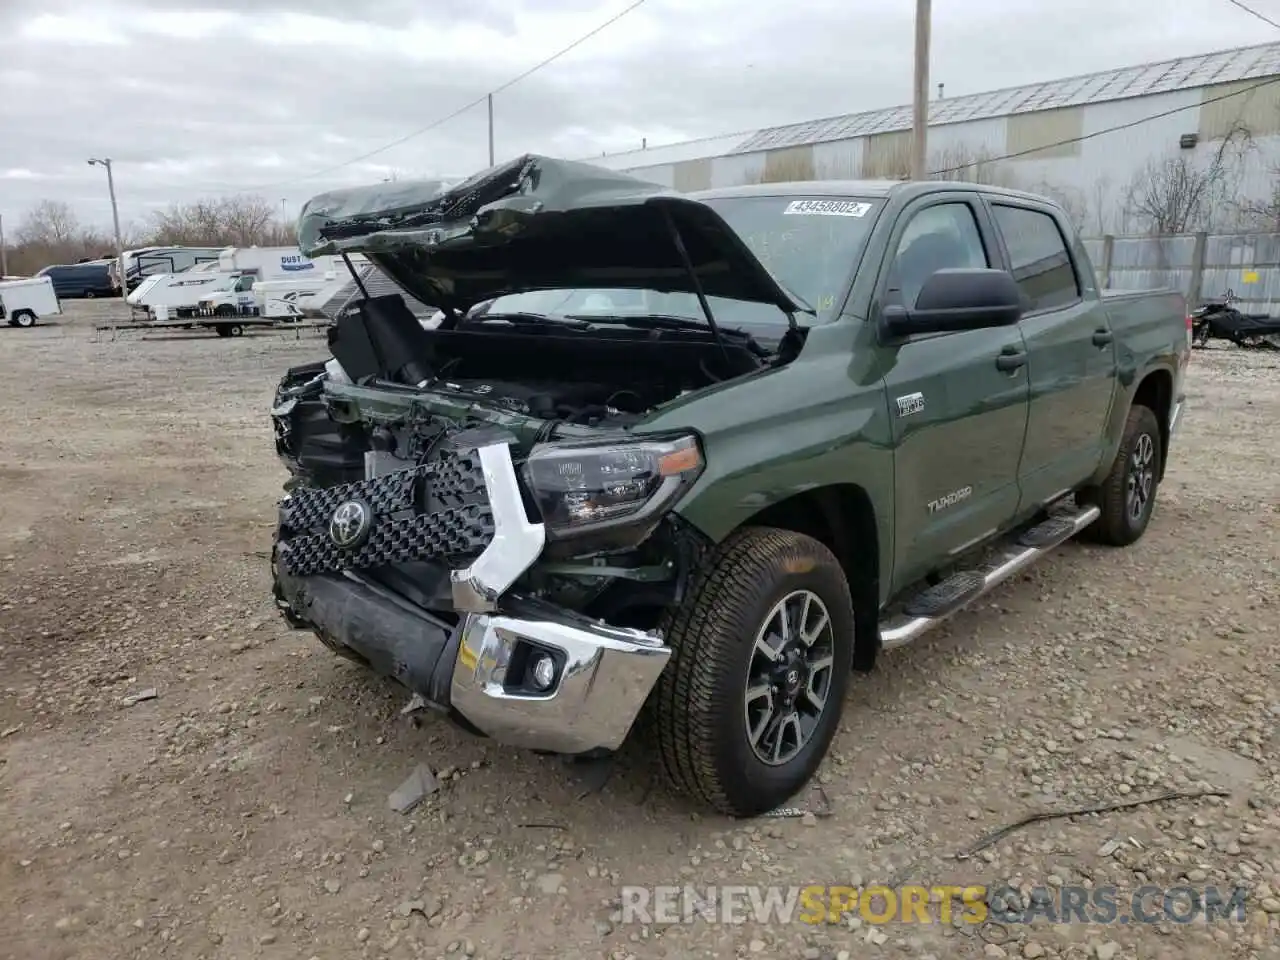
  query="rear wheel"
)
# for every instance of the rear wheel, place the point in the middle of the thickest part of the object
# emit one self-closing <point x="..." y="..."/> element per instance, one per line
<point x="23" y="318"/>
<point x="762" y="652"/>
<point x="1127" y="496"/>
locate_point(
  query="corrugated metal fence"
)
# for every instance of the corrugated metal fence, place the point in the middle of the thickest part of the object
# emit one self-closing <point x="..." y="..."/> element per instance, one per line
<point x="1201" y="265"/>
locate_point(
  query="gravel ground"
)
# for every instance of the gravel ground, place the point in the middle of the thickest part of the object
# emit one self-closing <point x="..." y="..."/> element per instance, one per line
<point x="243" y="811"/>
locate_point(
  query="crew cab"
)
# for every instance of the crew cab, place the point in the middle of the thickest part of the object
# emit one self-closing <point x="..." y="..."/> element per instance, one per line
<point x="689" y="459"/>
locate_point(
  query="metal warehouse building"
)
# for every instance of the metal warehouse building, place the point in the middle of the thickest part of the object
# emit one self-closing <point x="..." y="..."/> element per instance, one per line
<point x="1083" y="140"/>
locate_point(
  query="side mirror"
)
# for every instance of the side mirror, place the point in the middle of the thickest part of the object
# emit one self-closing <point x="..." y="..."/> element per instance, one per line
<point x="957" y="299"/>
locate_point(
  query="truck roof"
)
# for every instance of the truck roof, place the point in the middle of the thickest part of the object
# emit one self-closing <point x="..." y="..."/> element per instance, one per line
<point x="906" y="189"/>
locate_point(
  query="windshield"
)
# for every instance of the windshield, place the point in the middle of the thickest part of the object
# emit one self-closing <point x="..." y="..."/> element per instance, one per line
<point x="809" y="243"/>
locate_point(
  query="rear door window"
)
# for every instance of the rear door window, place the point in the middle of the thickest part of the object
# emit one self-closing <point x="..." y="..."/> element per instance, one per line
<point x="1039" y="257"/>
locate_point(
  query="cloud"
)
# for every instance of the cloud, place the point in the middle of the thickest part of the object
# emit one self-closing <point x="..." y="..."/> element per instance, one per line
<point x="201" y="98"/>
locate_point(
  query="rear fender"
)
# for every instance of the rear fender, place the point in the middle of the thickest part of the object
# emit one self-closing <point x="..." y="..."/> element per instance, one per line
<point x="1154" y="388"/>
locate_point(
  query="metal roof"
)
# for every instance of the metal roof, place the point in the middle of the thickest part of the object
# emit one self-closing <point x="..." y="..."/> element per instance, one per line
<point x="1246" y="63"/>
<point x="1183" y="73"/>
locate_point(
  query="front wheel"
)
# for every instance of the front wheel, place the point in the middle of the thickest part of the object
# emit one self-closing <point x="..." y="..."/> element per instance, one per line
<point x="1128" y="495"/>
<point x="762" y="648"/>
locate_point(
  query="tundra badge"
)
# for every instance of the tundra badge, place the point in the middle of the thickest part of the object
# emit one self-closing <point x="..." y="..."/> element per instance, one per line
<point x="950" y="499"/>
<point x="911" y="403"/>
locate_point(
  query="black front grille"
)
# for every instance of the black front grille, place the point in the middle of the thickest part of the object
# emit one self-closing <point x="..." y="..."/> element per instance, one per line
<point x="433" y="511"/>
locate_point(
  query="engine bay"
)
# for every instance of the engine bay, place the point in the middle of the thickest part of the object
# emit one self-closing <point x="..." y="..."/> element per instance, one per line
<point x="555" y="400"/>
<point x="544" y="370"/>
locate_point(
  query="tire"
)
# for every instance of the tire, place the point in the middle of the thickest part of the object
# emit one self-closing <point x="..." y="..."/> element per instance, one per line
<point x="222" y="330"/>
<point x="23" y="318"/>
<point x="701" y="712"/>
<point x="235" y="330"/>
<point x="89" y="295"/>
<point x="1124" y="521"/>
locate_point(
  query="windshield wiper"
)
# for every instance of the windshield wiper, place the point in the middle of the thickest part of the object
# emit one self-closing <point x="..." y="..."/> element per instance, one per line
<point x="534" y="319"/>
<point x="658" y="321"/>
<point x="649" y="321"/>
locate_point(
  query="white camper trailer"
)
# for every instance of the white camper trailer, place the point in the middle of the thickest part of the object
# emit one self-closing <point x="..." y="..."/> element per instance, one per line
<point x="179" y="293"/>
<point x="149" y="261"/>
<point x="293" y="299"/>
<point x="290" y="265"/>
<point x="183" y="293"/>
<point x="286" y="299"/>
<point x="23" y="302"/>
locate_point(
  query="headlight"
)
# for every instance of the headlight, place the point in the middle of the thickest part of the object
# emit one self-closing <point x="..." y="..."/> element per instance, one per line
<point x="621" y="488"/>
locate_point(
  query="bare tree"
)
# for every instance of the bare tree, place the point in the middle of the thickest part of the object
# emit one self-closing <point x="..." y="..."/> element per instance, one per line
<point x="1183" y="193"/>
<point x="50" y="233"/>
<point x="49" y="223"/>
<point x="240" y="221"/>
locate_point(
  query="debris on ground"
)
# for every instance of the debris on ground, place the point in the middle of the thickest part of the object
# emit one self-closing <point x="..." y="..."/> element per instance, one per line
<point x="147" y="694"/>
<point x="819" y="807"/>
<point x="416" y="704"/>
<point x="417" y="787"/>
<point x="998" y="835"/>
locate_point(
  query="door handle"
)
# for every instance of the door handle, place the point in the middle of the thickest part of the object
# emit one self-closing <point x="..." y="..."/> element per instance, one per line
<point x="1102" y="338"/>
<point x="1011" y="360"/>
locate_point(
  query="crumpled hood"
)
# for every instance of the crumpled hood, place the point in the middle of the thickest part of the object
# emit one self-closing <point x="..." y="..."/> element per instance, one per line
<point x="536" y="223"/>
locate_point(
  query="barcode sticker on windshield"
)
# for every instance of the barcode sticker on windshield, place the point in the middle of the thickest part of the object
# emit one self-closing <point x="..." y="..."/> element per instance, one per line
<point x="828" y="208"/>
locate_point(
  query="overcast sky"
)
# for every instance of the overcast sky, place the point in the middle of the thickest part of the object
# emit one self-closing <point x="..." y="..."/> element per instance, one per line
<point x="195" y="98"/>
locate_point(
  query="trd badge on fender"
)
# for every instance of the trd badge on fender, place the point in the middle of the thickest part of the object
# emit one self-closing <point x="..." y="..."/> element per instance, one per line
<point x="350" y="524"/>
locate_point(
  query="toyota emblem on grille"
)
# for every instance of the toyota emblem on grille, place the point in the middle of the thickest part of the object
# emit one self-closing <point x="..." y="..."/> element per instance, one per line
<point x="350" y="524"/>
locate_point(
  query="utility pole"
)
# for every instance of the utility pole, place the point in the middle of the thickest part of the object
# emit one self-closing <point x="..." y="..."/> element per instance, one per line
<point x="4" y="251"/>
<point x="490" y="98"/>
<point x="115" y="219"/>
<point x="920" y="102"/>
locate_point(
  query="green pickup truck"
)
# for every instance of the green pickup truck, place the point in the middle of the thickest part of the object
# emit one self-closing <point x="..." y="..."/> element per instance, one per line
<point x="678" y="463"/>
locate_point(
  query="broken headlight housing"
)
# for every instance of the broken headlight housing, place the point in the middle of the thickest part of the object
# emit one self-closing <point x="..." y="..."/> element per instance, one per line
<point x="615" y="491"/>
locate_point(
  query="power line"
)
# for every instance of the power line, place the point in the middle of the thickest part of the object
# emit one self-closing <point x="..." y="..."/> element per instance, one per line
<point x="1251" y="11"/>
<point x="461" y="110"/>
<point x="1099" y="133"/>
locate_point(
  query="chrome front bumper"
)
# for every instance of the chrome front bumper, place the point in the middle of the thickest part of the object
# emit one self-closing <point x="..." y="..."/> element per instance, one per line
<point x="603" y="677"/>
<point x="602" y="674"/>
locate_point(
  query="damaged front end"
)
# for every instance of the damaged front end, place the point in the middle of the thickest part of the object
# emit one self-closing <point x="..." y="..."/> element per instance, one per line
<point x="477" y="510"/>
<point x="456" y="565"/>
